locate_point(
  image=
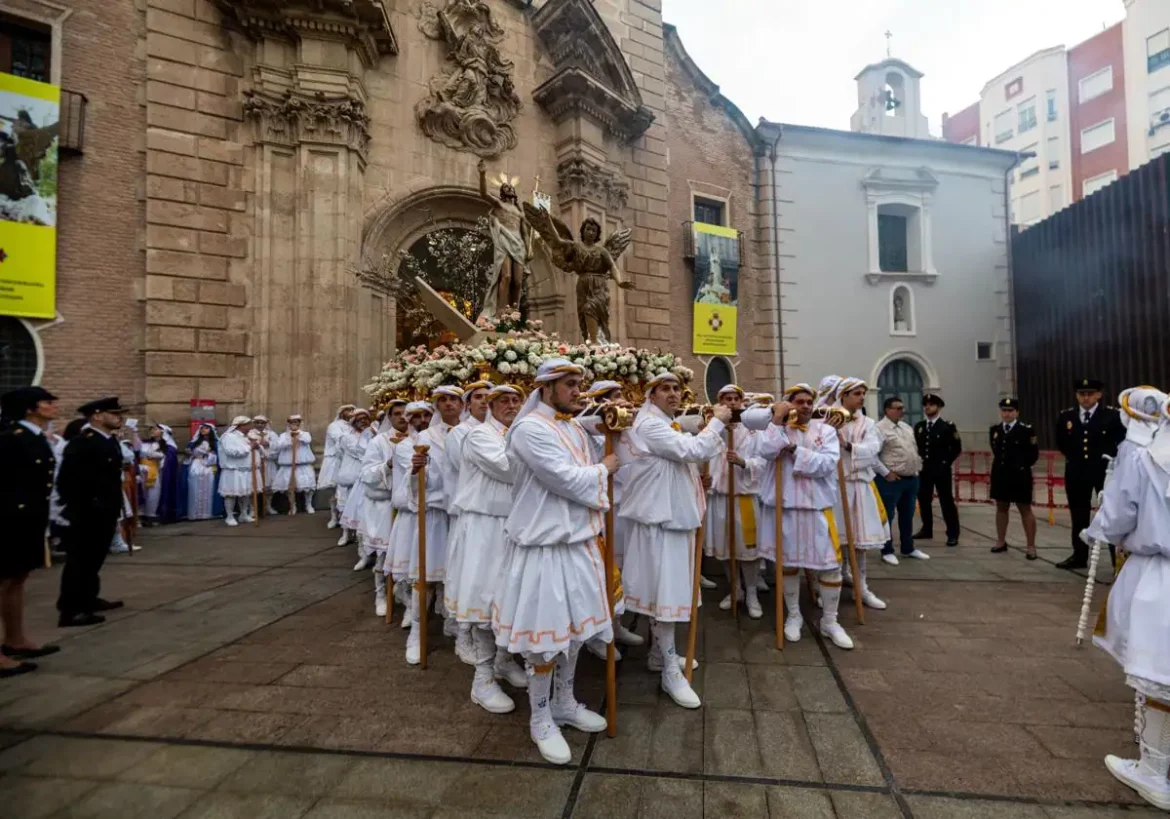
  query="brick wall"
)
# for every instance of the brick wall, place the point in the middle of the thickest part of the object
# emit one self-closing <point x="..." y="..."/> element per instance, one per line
<point x="963" y="125"/>
<point x="1087" y="58"/>
<point x="97" y="348"/>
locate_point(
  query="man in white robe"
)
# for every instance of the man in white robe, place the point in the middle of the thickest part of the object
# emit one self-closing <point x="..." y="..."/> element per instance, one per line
<point x="551" y="595"/>
<point x="304" y="481"/>
<point x="809" y="451"/>
<point x="331" y="458"/>
<point x="484" y="499"/>
<point x="1135" y="625"/>
<point x="746" y="488"/>
<point x="377" y="514"/>
<point x="403" y="549"/>
<point x="663" y="506"/>
<point x="267" y="465"/>
<point x="861" y="443"/>
<point x="238" y="454"/>
<point x="475" y="411"/>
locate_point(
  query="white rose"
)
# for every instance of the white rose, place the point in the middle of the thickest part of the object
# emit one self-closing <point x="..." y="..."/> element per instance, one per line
<point x="510" y="355"/>
<point x="501" y="344"/>
<point x="533" y="360"/>
<point x="521" y="368"/>
<point x="489" y="354"/>
<point x="505" y="367"/>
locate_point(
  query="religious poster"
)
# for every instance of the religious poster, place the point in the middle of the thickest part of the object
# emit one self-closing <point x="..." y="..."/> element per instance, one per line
<point x="29" y="115"/>
<point x="716" y="289"/>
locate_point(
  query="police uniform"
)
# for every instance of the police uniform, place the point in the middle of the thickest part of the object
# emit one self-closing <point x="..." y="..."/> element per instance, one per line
<point x="939" y="445"/>
<point x="90" y="487"/>
<point x="1015" y="452"/>
<point x="1084" y="446"/>
<point x="26" y="484"/>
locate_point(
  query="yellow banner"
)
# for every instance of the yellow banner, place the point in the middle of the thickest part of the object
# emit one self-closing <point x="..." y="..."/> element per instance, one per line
<point x="29" y="121"/>
<point x="716" y="289"/>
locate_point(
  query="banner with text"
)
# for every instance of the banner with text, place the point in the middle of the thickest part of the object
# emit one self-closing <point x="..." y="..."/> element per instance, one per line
<point x="29" y="116"/>
<point x="716" y="290"/>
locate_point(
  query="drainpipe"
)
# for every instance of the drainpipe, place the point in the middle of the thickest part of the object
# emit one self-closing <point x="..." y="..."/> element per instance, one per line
<point x="780" y="374"/>
<point x="1007" y="215"/>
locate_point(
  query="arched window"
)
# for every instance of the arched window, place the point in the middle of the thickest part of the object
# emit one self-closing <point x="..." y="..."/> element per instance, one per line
<point x="901" y="379"/>
<point x="19" y="362"/>
<point x="720" y="373"/>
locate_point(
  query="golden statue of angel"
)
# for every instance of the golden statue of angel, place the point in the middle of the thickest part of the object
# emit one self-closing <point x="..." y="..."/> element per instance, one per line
<point x="595" y="264"/>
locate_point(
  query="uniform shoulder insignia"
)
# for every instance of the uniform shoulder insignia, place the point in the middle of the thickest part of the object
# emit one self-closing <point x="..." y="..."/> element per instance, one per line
<point x="89" y="434"/>
<point x="18" y="431"/>
<point x="1025" y="426"/>
<point x="957" y="435"/>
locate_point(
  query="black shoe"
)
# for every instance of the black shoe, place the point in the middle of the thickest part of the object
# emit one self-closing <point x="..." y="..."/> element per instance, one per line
<point x="952" y="541"/>
<point x="922" y="534"/>
<point x="29" y="653"/>
<point x="107" y="605"/>
<point x="80" y="619"/>
<point x="999" y="549"/>
<point x="16" y="671"/>
<point x="1073" y="562"/>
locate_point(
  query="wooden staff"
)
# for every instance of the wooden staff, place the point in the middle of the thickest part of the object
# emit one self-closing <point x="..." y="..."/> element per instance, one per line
<point x="421" y="585"/>
<point x="693" y="629"/>
<point x="779" y="590"/>
<point x="263" y="483"/>
<point x="731" y="521"/>
<point x="292" y="479"/>
<point x="130" y="533"/>
<point x="389" y="586"/>
<point x="255" y="506"/>
<point x="851" y="543"/>
<point x="610" y="593"/>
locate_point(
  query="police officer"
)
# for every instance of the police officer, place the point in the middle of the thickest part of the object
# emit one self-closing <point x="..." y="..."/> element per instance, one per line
<point x="26" y="483"/>
<point x="90" y="487"/>
<point x="1013" y="445"/>
<point x="1085" y="435"/>
<point x="939" y="445"/>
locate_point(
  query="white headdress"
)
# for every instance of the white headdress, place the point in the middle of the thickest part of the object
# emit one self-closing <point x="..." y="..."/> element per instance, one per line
<point x="662" y="378"/>
<point x="238" y="421"/>
<point x="1160" y="448"/>
<point x="418" y="406"/>
<point x="600" y="388"/>
<point x="846" y="385"/>
<point x="263" y="418"/>
<point x="552" y="369"/>
<point x="454" y="392"/>
<point x="822" y="395"/>
<point x="168" y="435"/>
<point x="730" y="388"/>
<point x="343" y="408"/>
<point x="1141" y="412"/>
<point x="504" y="389"/>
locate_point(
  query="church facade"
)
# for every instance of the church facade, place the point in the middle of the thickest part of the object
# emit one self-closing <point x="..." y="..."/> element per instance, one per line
<point x="249" y="157"/>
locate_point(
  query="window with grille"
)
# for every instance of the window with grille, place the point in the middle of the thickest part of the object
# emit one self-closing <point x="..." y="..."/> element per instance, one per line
<point x="18" y="355"/>
<point x="893" y="255"/>
<point x="902" y="380"/>
<point x="24" y="51"/>
<point x="720" y="373"/>
<point x="710" y="211"/>
<point x="1158" y="51"/>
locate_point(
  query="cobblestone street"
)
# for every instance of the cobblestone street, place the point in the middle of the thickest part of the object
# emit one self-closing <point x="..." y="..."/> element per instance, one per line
<point x="248" y="677"/>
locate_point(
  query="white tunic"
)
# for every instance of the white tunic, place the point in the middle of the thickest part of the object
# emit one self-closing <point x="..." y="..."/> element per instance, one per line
<point x="352" y="446"/>
<point x="283" y="455"/>
<point x="663" y="505"/>
<point x="378" y="486"/>
<point x="476" y="548"/>
<point x="267" y="463"/>
<point x="552" y="589"/>
<point x="235" y="465"/>
<point x="746" y="488"/>
<point x="455" y="439"/>
<point x="155" y="452"/>
<point x="1135" y="514"/>
<point x="871" y="530"/>
<point x="402" y="557"/>
<point x="810" y="493"/>
<point x="331" y="458"/>
<point x="200" y="482"/>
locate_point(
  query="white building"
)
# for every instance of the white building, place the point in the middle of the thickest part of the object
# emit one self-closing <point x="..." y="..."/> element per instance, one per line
<point x="889" y="101"/>
<point x="894" y="264"/>
<point x="1146" y="33"/>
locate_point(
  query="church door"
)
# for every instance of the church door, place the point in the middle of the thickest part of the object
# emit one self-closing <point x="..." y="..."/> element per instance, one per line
<point x="901" y="379"/>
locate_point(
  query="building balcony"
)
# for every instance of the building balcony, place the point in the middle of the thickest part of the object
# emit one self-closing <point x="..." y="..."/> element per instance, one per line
<point x="71" y="123"/>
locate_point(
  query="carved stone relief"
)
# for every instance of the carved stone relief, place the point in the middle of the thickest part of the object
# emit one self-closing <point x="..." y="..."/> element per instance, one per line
<point x="578" y="178"/>
<point x="291" y="119"/>
<point x="472" y="102"/>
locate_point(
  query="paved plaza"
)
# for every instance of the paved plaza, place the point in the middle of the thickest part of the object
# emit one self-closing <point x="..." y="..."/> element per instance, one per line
<point x="248" y="677"/>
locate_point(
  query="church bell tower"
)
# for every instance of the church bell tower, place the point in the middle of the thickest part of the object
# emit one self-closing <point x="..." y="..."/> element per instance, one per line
<point x="889" y="101"/>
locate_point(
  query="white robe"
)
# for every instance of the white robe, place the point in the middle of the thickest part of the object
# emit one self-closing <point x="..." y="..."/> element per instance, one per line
<point x="331" y="458"/>
<point x="811" y="539"/>
<point x="871" y="529"/>
<point x="552" y="590"/>
<point x="402" y="558"/>
<point x="455" y="439"/>
<point x="377" y="481"/>
<point x="1135" y="515"/>
<point x="155" y="451"/>
<point x="200" y="482"/>
<point x="353" y="449"/>
<point x="476" y="548"/>
<point x="235" y="465"/>
<point x="282" y="454"/>
<point x="267" y="464"/>
<point x="663" y="505"/>
<point x="746" y="489"/>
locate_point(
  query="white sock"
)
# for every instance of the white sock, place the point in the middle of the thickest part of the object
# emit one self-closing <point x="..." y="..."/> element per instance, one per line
<point x="727" y="571"/>
<point x="830" y="585"/>
<point x="663" y="635"/>
<point x="563" y="679"/>
<point x="792" y="593"/>
<point x="751" y="574"/>
<point x="540" y="722"/>
<point x="1155" y="742"/>
<point x="860" y="581"/>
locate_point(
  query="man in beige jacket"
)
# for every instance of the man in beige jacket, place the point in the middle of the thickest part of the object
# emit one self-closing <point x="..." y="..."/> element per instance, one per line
<point x="897" y="479"/>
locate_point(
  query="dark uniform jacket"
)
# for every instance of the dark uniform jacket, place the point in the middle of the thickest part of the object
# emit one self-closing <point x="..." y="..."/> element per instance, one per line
<point x="940" y="446"/>
<point x="1083" y="446"/>
<point x="1016" y="452"/>
<point x="26" y="479"/>
<point x="90" y="481"/>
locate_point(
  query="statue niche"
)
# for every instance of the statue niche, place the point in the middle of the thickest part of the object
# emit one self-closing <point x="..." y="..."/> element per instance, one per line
<point x="472" y="102"/>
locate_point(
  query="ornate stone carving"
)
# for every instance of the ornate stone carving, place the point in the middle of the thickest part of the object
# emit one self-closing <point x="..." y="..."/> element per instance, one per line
<point x="591" y="77"/>
<point x="363" y="22"/>
<point x="471" y="103"/>
<point x="578" y="178"/>
<point x="292" y="119"/>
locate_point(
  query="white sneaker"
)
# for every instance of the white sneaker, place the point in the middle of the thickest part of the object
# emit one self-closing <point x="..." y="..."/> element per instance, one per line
<point x="837" y="634"/>
<point x="654" y="661"/>
<point x="492" y="699"/>
<point x="918" y="554"/>
<point x="246" y="518"/>
<point x="1155" y="790"/>
<point x="511" y="673"/>
<point x="134" y="548"/>
<point x="626" y="637"/>
<point x="581" y="718"/>
<point x="553" y="748"/>
<point x="680" y="690"/>
<point x="872" y="600"/>
<point x="892" y="559"/>
<point x="231" y="522"/>
<point x="465" y="646"/>
<point x="725" y="603"/>
<point x="332" y="524"/>
<point x="598" y="649"/>
<point x="754" y="609"/>
<point x="119" y="549"/>
<point x="344" y="539"/>
<point x="406" y="619"/>
<point x="364" y="562"/>
<point x="792" y="627"/>
<point x="704" y="583"/>
<point x="380" y="602"/>
<point x="270" y="511"/>
<point x="413" y="651"/>
<point x="846" y="577"/>
<point x="762" y="584"/>
<point x="309" y="510"/>
<point x="450" y="627"/>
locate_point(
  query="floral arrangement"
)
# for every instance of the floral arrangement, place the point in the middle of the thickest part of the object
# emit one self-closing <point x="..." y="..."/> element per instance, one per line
<point x="512" y="354"/>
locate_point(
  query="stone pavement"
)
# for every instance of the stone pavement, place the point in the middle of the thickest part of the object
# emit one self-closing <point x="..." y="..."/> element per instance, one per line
<point x="247" y="677"/>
